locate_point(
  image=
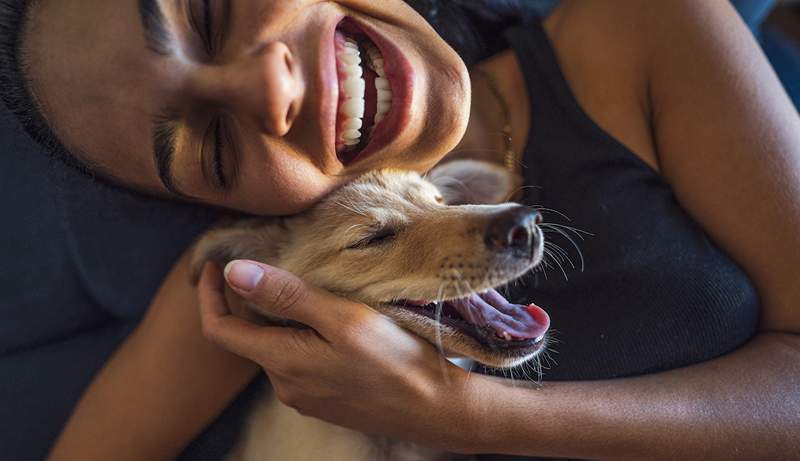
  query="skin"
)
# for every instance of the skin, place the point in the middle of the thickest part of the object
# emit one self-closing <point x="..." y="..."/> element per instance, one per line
<point x="117" y="86"/>
<point x="676" y="67"/>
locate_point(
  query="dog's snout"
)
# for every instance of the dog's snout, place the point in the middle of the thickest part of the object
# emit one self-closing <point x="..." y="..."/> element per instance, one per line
<point x="514" y="229"/>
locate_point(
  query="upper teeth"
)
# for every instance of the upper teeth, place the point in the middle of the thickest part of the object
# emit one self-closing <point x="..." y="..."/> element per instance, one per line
<point x="353" y="89"/>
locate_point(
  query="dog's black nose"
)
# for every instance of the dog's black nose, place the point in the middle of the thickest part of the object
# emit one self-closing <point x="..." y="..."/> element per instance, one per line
<point x="514" y="229"/>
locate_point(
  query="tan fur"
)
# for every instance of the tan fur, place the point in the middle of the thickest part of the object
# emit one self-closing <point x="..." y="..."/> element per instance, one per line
<point x="438" y="253"/>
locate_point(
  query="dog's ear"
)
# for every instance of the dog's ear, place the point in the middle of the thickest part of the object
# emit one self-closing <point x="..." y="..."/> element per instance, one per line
<point x="258" y="240"/>
<point x="474" y="182"/>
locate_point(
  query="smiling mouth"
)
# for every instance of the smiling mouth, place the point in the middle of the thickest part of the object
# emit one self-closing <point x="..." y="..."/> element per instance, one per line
<point x="365" y="95"/>
<point x="375" y="87"/>
<point x="488" y="318"/>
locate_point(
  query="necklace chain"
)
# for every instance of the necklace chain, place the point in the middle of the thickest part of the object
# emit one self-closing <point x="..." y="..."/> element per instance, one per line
<point x="509" y="156"/>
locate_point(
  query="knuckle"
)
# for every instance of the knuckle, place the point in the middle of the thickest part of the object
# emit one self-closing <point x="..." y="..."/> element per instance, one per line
<point x="288" y="294"/>
<point x="210" y="328"/>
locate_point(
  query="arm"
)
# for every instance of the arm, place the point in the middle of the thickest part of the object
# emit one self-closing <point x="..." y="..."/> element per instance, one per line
<point x="728" y="141"/>
<point x="163" y="385"/>
<point x="744" y="405"/>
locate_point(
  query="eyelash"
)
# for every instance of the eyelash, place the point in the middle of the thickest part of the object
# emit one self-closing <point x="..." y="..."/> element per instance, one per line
<point x="204" y="28"/>
<point x="213" y="164"/>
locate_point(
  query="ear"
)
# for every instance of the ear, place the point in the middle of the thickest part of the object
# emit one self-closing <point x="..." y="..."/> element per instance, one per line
<point x="474" y="182"/>
<point x="256" y="239"/>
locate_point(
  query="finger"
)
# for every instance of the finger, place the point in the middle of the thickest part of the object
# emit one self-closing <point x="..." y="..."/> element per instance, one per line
<point x="267" y="346"/>
<point x="280" y="293"/>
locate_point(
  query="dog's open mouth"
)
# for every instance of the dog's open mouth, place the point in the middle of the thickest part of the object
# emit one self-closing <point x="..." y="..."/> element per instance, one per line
<point x="487" y="317"/>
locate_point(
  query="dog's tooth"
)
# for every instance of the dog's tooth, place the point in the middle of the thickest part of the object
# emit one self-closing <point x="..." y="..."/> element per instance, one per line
<point x="506" y="336"/>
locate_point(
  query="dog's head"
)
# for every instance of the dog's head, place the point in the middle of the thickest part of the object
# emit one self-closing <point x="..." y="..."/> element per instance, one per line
<point x="409" y="247"/>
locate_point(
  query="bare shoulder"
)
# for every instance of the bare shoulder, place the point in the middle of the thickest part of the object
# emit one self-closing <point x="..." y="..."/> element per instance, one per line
<point x="727" y="137"/>
<point x="599" y="48"/>
<point x="609" y="51"/>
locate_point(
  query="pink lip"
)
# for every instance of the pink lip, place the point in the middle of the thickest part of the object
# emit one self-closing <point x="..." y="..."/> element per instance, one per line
<point x="401" y="77"/>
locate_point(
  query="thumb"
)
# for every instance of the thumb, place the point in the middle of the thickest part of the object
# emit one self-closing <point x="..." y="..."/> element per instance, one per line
<point x="280" y="293"/>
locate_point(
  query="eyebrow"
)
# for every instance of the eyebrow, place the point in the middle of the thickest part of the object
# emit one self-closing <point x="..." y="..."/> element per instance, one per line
<point x="165" y="134"/>
<point x="156" y="32"/>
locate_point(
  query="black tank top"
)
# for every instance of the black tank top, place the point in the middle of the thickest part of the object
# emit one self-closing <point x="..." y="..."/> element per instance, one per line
<point x="656" y="293"/>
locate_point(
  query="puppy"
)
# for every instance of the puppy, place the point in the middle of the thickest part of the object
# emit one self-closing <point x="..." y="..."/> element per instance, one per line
<point x="413" y="249"/>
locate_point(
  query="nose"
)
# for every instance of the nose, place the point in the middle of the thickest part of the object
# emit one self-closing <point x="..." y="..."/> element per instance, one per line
<point x="514" y="229"/>
<point x="266" y="85"/>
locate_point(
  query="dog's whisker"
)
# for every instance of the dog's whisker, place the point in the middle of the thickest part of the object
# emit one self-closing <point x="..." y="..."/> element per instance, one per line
<point x="522" y="189"/>
<point x="572" y="241"/>
<point x="354" y="226"/>
<point x="580" y="233"/>
<point x="555" y="247"/>
<point x="564" y="256"/>
<point x="558" y="262"/>
<point x="357" y="211"/>
<point x="550" y="210"/>
<point x="439" y="345"/>
<point x="438" y="333"/>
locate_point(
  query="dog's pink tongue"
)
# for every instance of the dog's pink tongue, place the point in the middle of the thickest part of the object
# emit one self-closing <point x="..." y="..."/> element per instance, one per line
<point x="509" y="321"/>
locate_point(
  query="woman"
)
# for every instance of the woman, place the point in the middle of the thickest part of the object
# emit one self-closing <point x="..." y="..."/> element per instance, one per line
<point x="613" y="108"/>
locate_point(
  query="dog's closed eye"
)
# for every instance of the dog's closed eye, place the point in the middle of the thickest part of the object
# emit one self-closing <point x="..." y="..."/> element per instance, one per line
<point x="379" y="237"/>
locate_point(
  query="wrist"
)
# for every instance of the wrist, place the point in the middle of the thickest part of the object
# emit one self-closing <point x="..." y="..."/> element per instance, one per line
<point x="480" y="423"/>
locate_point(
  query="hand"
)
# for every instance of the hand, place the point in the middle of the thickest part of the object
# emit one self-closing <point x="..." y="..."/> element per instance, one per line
<point x="353" y="367"/>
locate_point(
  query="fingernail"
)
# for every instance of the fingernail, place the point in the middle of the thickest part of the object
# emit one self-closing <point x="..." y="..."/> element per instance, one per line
<point x="243" y="275"/>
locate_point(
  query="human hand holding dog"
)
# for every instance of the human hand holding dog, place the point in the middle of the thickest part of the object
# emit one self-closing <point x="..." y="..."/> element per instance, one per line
<point x="353" y="367"/>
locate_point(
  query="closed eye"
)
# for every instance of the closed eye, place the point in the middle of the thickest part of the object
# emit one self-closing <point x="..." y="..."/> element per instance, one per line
<point x="209" y="20"/>
<point x="220" y="172"/>
<point x="381" y="237"/>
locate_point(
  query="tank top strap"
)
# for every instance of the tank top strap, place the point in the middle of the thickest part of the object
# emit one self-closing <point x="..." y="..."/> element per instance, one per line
<point x="555" y="111"/>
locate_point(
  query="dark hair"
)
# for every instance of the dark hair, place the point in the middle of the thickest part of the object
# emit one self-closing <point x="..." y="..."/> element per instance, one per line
<point x="15" y="89"/>
<point x="472" y="27"/>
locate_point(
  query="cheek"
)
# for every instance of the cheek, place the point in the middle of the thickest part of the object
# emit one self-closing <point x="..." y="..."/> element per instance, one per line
<point x="280" y="186"/>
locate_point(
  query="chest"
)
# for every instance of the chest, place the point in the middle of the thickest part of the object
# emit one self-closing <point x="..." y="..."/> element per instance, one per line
<point x="607" y="78"/>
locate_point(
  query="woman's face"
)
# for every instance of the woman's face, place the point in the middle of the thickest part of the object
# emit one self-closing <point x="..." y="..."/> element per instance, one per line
<point x="245" y="104"/>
